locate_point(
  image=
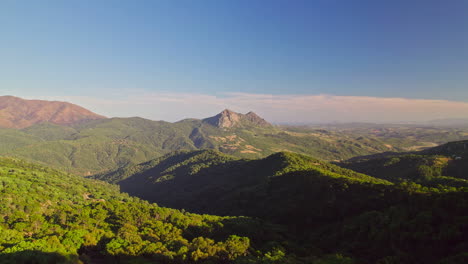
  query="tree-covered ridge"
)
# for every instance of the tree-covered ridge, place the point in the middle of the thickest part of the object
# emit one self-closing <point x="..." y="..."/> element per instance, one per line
<point x="331" y="208"/>
<point x="178" y="162"/>
<point x="445" y="165"/>
<point x="103" y="145"/>
<point x="272" y="188"/>
<point x="182" y="163"/>
<point x="287" y="162"/>
<point x="50" y="217"/>
<point x="452" y="149"/>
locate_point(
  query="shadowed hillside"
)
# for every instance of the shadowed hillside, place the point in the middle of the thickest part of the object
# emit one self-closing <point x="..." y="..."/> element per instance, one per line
<point x="225" y="185"/>
<point x="320" y="203"/>
<point x="52" y="217"/>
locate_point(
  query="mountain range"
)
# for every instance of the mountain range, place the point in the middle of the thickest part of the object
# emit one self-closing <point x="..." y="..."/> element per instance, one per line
<point x="243" y="191"/>
<point x="95" y="144"/>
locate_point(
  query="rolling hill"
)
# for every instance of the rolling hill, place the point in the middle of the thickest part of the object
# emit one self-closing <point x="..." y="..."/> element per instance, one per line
<point x="52" y="217"/>
<point x="20" y="113"/>
<point x="441" y="165"/>
<point x="211" y="182"/>
<point x="328" y="215"/>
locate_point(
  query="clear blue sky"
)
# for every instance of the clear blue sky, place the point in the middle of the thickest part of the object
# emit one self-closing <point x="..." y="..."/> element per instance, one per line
<point x="410" y="49"/>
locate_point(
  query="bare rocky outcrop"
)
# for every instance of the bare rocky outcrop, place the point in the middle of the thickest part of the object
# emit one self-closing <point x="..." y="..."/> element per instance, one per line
<point x="229" y="119"/>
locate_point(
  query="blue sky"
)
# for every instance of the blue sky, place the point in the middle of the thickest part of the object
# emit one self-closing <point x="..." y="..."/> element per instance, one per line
<point x="116" y="49"/>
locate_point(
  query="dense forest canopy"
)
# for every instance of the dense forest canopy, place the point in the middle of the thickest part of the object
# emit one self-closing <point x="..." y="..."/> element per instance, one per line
<point x="297" y="210"/>
<point x="51" y="217"/>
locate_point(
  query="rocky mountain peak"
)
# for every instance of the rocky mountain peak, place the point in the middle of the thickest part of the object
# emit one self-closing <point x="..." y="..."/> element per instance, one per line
<point x="254" y="118"/>
<point x="228" y="119"/>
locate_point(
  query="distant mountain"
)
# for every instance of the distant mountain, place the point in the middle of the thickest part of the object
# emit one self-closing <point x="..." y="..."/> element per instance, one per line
<point x="230" y="119"/>
<point x="20" y="113"/>
<point x="101" y="145"/>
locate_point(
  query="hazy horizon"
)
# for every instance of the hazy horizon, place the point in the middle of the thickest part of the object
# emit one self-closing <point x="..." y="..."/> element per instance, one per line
<point x="280" y="109"/>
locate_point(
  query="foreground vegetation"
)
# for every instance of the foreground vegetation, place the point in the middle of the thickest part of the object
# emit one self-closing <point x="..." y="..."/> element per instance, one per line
<point x="51" y="217"/>
<point x="330" y="208"/>
<point x="297" y="210"/>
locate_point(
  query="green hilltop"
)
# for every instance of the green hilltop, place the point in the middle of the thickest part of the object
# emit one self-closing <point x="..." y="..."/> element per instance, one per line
<point x="225" y="185"/>
<point x="444" y="165"/>
<point x="51" y="217"/>
<point x="333" y="208"/>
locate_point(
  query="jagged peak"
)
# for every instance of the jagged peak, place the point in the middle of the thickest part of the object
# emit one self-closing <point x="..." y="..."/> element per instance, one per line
<point x="228" y="118"/>
<point x="228" y="111"/>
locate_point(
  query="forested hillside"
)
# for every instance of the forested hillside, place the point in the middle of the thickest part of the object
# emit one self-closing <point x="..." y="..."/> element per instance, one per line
<point x="102" y="145"/>
<point x="223" y="184"/>
<point x="51" y="217"/>
<point x="328" y="206"/>
<point x="445" y="165"/>
<point x="274" y="203"/>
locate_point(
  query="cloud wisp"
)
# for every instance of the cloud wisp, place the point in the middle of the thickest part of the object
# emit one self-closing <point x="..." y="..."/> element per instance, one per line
<point x="275" y="108"/>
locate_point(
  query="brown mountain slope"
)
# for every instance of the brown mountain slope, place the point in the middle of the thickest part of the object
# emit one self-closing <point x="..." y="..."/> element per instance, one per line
<point x="20" y="113"/>
<point x="228" y="119"/>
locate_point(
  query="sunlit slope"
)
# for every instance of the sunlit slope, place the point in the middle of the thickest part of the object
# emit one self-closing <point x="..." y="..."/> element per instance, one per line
<point x="107" y="144"/>
<point x="53" y="217"/>
<point x="20" y="113"/>
<point x="444" y="165"/>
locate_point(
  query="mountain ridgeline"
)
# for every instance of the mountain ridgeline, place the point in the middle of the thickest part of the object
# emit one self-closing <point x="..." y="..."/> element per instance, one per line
<point x="229" y="119"/>
<point x="93" y="144"/>
<point x="226" y="185"/>
<point x="19" y="113"/>
<point x="444" y="165"/>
